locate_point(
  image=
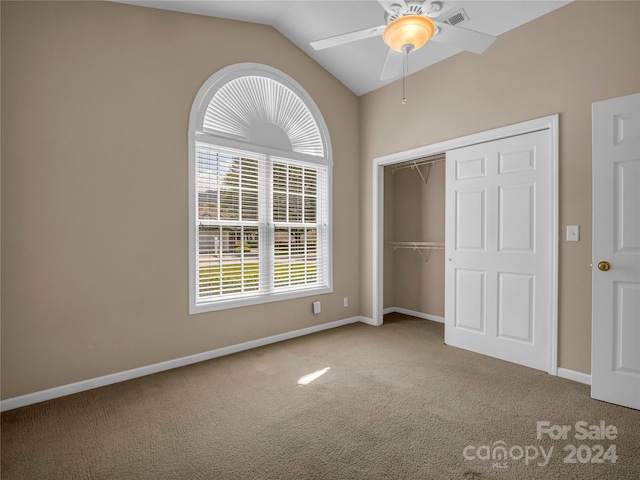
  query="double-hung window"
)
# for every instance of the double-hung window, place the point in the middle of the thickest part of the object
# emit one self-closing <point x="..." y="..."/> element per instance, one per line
<point x="260" y="191"/>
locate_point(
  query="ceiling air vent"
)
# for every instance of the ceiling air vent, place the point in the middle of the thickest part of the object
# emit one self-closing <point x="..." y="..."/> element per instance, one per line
<point x="456" y="17"/>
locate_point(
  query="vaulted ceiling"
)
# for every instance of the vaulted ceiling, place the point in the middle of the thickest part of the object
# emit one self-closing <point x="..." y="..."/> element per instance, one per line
<point x="359" y="64"/>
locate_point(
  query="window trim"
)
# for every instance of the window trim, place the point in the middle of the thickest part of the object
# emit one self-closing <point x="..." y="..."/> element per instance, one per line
<point x="196" y="134"/>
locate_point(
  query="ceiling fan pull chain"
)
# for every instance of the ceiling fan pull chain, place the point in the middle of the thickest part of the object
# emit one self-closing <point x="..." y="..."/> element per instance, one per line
<point x="405" y="69"/>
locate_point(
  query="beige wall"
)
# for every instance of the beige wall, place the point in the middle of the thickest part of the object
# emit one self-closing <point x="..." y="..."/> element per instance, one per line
<point x="560" y="63"/>
<point x="414" y="212"/>
<point x="95" y="105"/>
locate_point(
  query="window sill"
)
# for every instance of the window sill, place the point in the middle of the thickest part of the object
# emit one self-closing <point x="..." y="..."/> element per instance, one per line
<point x="257" y="300"/>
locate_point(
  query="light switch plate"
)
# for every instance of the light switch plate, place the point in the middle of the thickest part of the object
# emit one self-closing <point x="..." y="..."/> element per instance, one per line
<point x="573" y="233"/>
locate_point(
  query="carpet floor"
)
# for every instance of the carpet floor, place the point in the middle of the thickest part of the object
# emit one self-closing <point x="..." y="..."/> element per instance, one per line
<point x="355" y="402"/>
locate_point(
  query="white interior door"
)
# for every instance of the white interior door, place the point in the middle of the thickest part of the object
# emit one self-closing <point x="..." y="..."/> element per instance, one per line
<point x="615" y="359"/>
<point x="498" y="246"/>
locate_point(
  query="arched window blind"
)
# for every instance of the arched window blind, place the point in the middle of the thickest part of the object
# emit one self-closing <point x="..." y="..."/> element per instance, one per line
<point x="246" y="105"/>
<point x="260" y="191"/>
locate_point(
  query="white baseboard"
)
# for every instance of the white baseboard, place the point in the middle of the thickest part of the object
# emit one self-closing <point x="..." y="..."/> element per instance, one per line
<point x="43" y="395"/>
<point x="368" y="321"/>
<point x="575" y="376"/>
<point x="413" y="313"/>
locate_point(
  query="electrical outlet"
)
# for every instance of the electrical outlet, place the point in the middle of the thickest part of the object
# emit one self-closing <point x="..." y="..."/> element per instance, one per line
<point x="346" y="301"/>
<point x="316" y="308"/>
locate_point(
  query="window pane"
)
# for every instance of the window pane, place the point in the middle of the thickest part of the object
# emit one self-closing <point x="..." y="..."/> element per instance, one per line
<point x="295" y="179"/>
<point x="228" y="260"/>
<point x="297" y="243"/>
<point x="231" y="174"/>
<point x="311" y="237"/>
<point x="279" y="177"/>
<point x="282" y="256"/>
<point x="208" y="205"/>
<point x="279" y="207"/>
<point x="228" y="192"/>
<point x="312" y="255"/>
<point x="250" y="256"/>
<point x="207" y="180"/>
<point x="229" y="204"/>
<point x="281" y="242"/>
<point x="295" y="208"/>
<point x="209" y="247"/>
<point x="310" y="182"/>
<point x="296" y="257"/>
<point x="250" y="174"/>
<point x="250" y="206"/>
<point x="309" y="209"/>
<point x="228" y="185"/>
<point x="230" y="265"/>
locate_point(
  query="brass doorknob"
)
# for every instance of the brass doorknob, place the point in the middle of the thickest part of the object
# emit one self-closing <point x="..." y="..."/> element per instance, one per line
<point x="604" y="266"/>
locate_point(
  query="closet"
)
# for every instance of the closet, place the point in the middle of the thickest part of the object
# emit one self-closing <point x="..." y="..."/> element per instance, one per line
<point x="494" y="202"/>
<point x="414" y="231"/>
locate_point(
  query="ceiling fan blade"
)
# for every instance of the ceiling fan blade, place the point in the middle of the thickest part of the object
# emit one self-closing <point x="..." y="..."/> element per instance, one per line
<point x="458" y="37"/>
<point x="347" y="38"/>
<point x="392" y="65"/>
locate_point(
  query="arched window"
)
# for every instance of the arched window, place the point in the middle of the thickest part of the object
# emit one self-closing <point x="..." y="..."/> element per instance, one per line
<point x="260" y="191"/>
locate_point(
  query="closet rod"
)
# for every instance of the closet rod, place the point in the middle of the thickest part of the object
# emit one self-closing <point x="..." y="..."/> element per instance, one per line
<point x="418" y="163"/>
<point x="418" y="245"/>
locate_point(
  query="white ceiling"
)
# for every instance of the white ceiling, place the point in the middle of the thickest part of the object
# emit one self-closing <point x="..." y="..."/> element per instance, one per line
<point x="358" y="65"/>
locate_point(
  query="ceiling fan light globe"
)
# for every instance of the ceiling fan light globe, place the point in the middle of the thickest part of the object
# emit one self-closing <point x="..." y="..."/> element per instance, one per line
<point x="413" y="30"/>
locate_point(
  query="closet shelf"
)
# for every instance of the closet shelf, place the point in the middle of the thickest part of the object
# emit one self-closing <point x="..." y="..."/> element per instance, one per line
<point x="418" y="245"/>
<point x="416" y="164"/>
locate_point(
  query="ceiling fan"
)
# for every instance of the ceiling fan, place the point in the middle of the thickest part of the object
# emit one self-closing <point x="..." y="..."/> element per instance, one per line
<point x="408" y="26"/>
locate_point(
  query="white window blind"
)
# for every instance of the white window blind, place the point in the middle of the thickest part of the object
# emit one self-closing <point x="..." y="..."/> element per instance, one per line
<point x="300" y="221"/>
<point x="262" y="225"/>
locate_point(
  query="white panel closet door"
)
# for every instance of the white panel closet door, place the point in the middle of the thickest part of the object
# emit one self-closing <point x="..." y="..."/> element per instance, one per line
<point x="615" y="359"/>
<point x="499" y="267"/>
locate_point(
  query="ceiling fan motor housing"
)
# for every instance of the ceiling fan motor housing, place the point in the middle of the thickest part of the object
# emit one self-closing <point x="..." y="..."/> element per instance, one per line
<point x="409" y="8"/>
